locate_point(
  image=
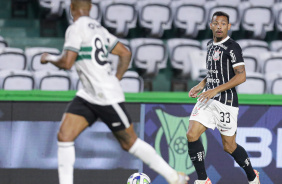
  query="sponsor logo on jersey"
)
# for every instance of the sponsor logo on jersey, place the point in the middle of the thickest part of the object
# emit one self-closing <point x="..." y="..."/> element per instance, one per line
<point x="233" y="57"/>
<point x="213" y="71"/>
<point x="213" y="80"/>
<point x="209" y="58"/>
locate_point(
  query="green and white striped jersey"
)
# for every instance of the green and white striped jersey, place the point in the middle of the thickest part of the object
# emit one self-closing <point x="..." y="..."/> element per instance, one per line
<point x="93" y="42"/>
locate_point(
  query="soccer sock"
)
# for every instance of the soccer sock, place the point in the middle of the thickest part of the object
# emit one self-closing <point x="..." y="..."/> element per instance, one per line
<point x="197" y="153"/>
<point x="149" y="156"/>
<point x="241" y="157"/>
<point x="66" y="158"/>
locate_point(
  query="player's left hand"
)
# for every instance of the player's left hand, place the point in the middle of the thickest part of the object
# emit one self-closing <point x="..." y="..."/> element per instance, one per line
<point x="205" y="96"/>
<point x="43" y="58"/>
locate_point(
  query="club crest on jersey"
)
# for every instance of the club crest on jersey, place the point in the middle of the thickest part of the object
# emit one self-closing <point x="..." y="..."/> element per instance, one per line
<point x="216" y="54"/>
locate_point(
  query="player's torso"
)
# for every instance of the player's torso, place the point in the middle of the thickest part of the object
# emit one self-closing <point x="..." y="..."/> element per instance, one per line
<point x="98" y="81"/>
<point x="93" y="51"/>
<point x="220" y="71"/>
<point x="218" y="64"/>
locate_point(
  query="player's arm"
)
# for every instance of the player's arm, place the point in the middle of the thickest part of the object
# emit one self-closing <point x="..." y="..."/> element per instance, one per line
<point x="198" y="88"/>
<point x="124" y="59"/>
<point x="237" y="61"/>
<point x="71" y="47"/>
<point x="63" y="61"/>
<point x="240" y="77"/>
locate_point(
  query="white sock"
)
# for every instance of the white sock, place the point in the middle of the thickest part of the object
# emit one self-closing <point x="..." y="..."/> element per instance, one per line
<point x="66" y="158"/>
<point x="149" y="156"/>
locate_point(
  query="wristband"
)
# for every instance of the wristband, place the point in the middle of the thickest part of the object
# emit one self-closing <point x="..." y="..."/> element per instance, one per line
<point x="52" y="58"/>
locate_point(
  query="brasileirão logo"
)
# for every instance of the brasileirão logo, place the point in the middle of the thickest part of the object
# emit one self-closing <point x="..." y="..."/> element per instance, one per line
<point x="174" y="129"/>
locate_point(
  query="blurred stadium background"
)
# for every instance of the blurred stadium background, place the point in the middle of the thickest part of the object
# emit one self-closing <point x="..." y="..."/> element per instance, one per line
<point x="168" y="41"/>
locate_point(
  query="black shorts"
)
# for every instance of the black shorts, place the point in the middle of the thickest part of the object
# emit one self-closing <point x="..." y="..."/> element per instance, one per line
<point x="115" y="115"/>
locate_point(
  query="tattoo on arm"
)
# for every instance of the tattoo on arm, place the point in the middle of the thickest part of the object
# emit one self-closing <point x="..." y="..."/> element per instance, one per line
<point x="239" y="70"/>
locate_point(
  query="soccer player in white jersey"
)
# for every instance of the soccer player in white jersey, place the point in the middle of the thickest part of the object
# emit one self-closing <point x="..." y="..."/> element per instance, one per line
<point x="87" y="45"/>
<point x="217" y="105"/>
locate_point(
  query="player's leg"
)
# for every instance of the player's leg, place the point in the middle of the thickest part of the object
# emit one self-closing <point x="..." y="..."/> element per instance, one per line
<point x="75" y="120"/>
<point x="239" y="154"/>
<point x="120" y="124"/>
<point x="195" y="148"/>
<point x="72" y="125"/>
<point x="201" y="118"/>
<point x="227" y="126"/>
<point x="142" y="150"/>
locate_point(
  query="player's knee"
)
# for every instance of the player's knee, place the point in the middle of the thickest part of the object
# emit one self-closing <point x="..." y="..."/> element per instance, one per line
<point x="126" y="145"/>
<point x="192" y="136"/>
<point x="229" y="148"/>
<point x="64" y="137"/>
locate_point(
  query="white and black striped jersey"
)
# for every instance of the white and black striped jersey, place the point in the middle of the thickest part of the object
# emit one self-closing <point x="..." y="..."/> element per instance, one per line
<point x="221" y="58"/>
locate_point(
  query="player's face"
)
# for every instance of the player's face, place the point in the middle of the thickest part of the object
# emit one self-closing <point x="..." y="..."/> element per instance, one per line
<point x="219" y="27"/>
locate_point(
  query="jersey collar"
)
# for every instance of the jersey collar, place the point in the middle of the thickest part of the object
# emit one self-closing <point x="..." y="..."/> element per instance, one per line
<point x="222" y="41"/>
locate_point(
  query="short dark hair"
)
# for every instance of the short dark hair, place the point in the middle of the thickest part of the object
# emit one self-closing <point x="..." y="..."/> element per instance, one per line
<point x="221" y="13"/>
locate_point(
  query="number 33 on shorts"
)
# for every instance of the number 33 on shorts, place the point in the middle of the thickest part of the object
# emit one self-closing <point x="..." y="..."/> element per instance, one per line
<point x="215" y="114"/>
<point x="227" y="120"/>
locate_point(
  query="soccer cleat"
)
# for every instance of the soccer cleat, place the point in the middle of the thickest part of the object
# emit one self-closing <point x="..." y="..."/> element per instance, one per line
<point x="256" y="180"/>
<point x="182" y="178"/>
<point x="207" y="181"/>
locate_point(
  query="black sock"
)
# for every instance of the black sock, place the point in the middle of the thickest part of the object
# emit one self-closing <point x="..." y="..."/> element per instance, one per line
<point x="241" y="157"/>
<point x="197" y="153"/>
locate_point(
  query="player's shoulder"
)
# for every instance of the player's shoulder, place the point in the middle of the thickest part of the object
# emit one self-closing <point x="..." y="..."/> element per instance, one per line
<point x="232" y="44"/>
<point x="209" y="43"/>
<point x="74" y="25"/>
<point x="231" y="41"/>
<point x="85" y="21"/>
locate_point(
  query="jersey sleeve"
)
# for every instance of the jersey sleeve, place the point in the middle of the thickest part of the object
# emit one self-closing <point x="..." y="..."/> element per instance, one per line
<point x="236" y="55"/>
<point x="111" y="39"/>
<point x="72" y="39"/>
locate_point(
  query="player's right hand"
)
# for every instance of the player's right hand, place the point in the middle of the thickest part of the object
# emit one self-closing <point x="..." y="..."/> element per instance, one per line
<point x="43" y="58"/>
<point x="194" y="92"/>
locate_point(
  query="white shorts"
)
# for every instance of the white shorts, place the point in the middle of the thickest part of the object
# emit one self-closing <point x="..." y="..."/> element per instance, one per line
<point x="215" y="114"/>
